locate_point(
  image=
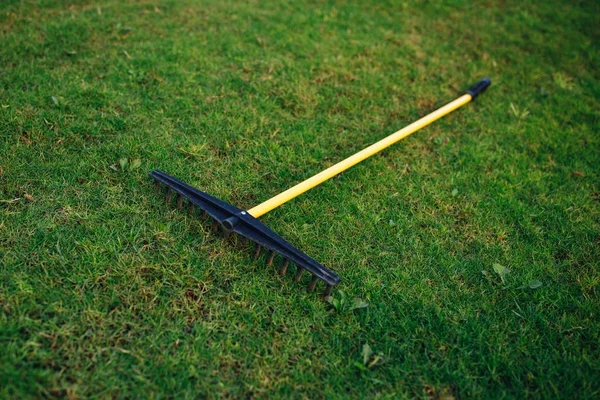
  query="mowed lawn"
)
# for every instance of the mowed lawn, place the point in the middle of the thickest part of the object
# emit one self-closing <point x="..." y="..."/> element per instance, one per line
<point x="475" y="242"/>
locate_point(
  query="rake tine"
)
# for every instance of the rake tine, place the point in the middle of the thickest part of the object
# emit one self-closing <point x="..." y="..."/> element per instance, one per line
<point x="157" y="186"/>
<point x="169" y="193"/>
<point x="327" y="291"/>
<point x="298" y="274"/>
<point x="179" y="201"/>
<point x="257" y="252"/>
<point x="244" y="241"/>
<point x="215" y="226"/>
<point x="284" y="267"/>
<point x="270" y="259"/>
<point x="312" y="284"/>
<point x="191" y="209"/>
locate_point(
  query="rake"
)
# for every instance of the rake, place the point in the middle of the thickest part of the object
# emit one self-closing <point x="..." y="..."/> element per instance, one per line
<point x="245" y="223"/>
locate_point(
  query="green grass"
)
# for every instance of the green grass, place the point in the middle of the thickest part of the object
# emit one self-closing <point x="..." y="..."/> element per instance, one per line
<point x="105" y="292"/>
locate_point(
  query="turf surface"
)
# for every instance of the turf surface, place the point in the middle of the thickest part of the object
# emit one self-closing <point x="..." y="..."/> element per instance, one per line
<point x="475" y="243"/>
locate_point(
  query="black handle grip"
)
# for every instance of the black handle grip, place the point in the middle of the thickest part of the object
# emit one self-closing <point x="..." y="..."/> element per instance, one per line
<point x="479" y="87"/>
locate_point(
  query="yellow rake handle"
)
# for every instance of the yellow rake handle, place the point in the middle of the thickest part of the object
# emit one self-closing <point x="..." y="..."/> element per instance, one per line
<point x="332" y="171"/>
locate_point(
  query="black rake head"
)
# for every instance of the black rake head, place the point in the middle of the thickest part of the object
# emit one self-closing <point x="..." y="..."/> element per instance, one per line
<point x="235" y="220"/>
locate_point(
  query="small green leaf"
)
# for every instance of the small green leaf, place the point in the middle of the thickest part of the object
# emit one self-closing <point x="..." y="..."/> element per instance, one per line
<point x="454" y="192"/>
<point x="333" y="301"/>
<point x="136" y="163"/>
<point x="336" y="304"/>
<point x="501" y="270"/>
<point x="343" y="299"/>
<point x="358" y="303"/>
<point x="534" y="284"/>
<point x="123" y="163"/>
<point x="367" y="352"/>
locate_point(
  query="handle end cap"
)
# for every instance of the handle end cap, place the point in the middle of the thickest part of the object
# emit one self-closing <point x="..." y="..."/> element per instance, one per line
<point x="479" y="87"/>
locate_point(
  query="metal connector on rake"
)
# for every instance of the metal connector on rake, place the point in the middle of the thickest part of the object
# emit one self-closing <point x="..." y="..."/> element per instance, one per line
<point x="233" y="219"/>
<point x="246" y="224"/>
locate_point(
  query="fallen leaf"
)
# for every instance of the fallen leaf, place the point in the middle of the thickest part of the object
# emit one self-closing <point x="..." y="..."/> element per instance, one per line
<point x="334" y="302"/>
<point x="501" y="270"/>
<point x="367" y="352"/>
<point x="29" y="197"/>
<point x="534" y="284"/>
<point x="359" y="303"/>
